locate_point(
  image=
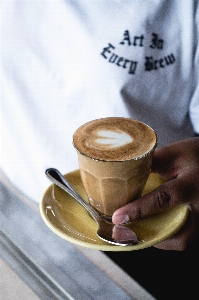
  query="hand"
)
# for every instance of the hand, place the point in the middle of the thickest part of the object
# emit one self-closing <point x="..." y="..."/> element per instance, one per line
<point x="178" y="164"/>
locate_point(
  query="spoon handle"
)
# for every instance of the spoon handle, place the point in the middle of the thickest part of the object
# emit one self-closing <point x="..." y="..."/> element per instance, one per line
<point x="56" y="177"/>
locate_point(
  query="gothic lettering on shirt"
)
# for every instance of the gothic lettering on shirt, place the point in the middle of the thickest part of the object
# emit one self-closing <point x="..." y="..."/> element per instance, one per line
<point x="107" y="50"/>
<point x="119" y="60"/>
<point x="156" y="43"/>
<point x="136" y="41"/>
<point x="130" y="65"/>
<point x="154" y="64"/>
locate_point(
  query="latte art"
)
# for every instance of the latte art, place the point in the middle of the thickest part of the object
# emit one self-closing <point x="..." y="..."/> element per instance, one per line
<point x="114" y="139"/>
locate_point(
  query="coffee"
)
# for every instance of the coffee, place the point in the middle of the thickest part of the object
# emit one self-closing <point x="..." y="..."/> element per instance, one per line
<point x="114" y="139"/>
<point x="115" y="157"/>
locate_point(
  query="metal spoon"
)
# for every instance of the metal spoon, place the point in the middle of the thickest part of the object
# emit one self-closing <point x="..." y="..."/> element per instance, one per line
<point x="105" y="229"/>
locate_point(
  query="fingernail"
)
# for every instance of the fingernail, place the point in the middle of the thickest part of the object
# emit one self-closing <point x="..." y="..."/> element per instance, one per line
<point x="122" y="219"/>
<point x="124" y="234"/>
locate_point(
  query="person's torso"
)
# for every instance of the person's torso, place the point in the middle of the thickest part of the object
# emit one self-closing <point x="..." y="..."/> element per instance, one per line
<point x="67" y="63"/>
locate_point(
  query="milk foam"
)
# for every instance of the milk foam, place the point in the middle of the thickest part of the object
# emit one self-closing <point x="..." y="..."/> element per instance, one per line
<point x="113" y="139"/>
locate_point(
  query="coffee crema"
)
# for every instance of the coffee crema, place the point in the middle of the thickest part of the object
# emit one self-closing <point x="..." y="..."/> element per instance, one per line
<point x="115" y="139"/>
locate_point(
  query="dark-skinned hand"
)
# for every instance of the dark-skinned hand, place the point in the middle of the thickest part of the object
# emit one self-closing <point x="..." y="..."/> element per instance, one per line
<point x="178" y="164"/>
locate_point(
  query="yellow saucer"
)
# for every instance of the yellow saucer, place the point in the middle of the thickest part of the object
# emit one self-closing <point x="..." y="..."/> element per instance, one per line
<point x="69" y="220"/>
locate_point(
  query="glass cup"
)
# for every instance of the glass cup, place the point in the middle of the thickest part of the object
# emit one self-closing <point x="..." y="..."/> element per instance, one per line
<point x="111" y="184"/>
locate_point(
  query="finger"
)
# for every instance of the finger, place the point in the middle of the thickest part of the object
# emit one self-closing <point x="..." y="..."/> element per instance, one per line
<point x="164" y="197"/>
<point x="164" y="163"/>
<point x="169" y="160"/>
<point x="185" y="237"/>
<point x="124" y="234"/>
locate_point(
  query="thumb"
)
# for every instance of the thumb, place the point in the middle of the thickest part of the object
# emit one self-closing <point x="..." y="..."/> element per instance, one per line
<point x="160" y="199"/>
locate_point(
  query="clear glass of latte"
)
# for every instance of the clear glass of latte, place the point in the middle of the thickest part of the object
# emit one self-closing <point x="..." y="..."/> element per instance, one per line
<point x="115" y="156"/>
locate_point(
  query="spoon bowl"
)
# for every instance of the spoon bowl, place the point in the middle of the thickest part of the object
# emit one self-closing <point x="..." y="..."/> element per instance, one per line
<point x="105" y="229"/>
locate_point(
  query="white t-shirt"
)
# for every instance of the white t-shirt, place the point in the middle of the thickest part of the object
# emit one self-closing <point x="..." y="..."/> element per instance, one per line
<point x="64" y="63"/>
